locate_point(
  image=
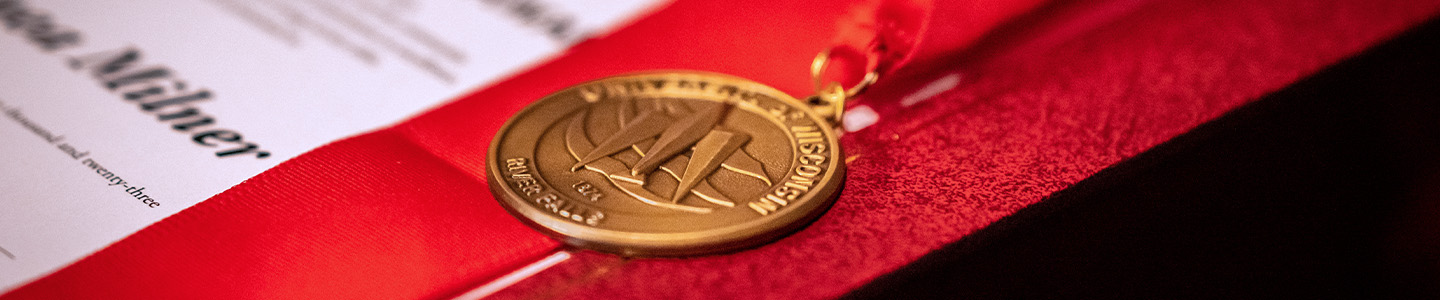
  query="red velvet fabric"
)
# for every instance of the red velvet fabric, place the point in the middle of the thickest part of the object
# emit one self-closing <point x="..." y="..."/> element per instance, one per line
<point x="404" y="213"/>
<point x="1033" y="112"/>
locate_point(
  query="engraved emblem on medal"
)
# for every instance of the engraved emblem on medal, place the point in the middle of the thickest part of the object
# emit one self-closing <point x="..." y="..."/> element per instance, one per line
<point x="663" y="164"/>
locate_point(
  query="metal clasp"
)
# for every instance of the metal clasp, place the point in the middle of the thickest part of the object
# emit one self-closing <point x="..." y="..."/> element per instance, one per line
<point x="830" y="96"/>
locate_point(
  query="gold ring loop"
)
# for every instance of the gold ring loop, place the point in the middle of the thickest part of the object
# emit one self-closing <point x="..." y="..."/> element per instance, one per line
<point x="822" y="62"/>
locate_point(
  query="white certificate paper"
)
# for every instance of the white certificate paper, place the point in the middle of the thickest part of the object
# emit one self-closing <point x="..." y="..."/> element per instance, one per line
<point x="116" y="114"/>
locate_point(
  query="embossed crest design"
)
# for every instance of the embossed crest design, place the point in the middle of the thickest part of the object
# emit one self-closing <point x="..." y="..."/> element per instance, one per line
<point x="661" y="136"/>
<point x="666" y="164"/>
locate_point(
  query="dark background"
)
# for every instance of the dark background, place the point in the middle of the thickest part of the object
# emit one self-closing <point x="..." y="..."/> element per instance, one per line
<point x="1329" y="188"/>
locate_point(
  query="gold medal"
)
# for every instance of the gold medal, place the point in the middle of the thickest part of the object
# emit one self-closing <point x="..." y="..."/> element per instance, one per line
<point x="664" y="164"/>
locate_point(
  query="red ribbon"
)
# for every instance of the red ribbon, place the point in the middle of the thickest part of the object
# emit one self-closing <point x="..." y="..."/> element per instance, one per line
<point x="883" y="36"/>
<point x="404" y="212"/>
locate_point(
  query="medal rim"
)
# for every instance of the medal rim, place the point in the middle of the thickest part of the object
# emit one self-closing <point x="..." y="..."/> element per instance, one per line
<point x="715" y="240"/>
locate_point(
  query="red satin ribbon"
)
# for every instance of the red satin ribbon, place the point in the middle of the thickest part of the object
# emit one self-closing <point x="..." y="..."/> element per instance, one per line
<point x="883" y="36"/>
<point x="404" y="212"/>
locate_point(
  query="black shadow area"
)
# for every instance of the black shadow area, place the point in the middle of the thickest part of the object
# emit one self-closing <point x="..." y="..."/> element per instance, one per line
<point x="1329" y="188"/>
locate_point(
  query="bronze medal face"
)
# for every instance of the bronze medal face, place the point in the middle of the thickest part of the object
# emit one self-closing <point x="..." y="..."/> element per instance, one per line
<point x="665" y="164"/>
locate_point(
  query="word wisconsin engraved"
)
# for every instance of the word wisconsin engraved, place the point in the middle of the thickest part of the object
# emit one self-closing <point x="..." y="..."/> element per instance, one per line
<point x="665" y="164"/>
